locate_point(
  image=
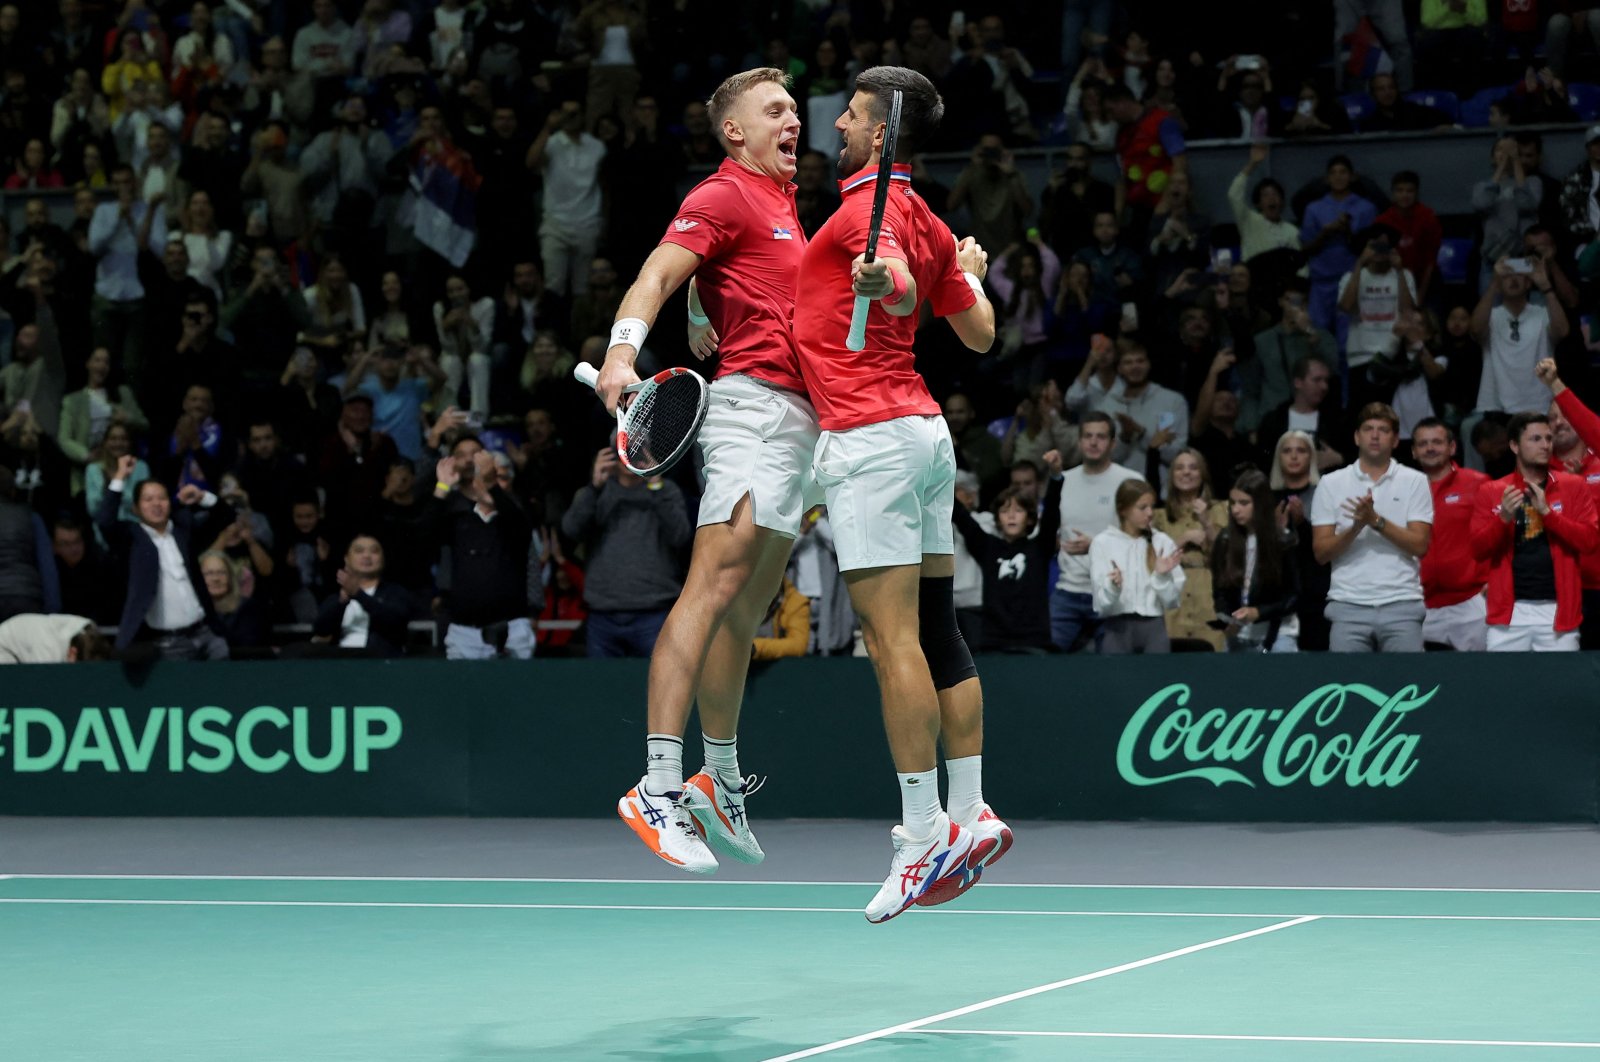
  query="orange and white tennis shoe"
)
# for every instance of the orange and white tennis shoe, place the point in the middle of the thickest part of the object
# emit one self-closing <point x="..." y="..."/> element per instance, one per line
<point x="666" y="828"/>
<point x="991" y="839"/>
<point x="719" y="815"/>
<point x="921" y="865"/>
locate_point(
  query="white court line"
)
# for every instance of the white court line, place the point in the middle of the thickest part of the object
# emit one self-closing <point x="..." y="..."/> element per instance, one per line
<point x="98" y="901"/>
<point x="1271" y="1039"/>
<point x="1026" y="993"/>
<point x="855" y="884"/>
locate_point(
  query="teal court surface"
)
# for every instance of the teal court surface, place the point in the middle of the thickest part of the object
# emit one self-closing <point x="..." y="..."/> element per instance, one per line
<point x="296" y="967"/>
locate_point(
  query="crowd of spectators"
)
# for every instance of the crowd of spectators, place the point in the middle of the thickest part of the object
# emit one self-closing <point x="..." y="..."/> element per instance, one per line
<point x="293" y="372"/>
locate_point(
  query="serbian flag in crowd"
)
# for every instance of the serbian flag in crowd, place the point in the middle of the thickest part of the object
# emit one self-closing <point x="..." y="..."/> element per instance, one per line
<point x="1367" y="56"/>
<point x="444" y="187"/>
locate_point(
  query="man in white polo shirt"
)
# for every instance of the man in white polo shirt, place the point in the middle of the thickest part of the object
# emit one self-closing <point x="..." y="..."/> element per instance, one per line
<point x="1372" y="522"/>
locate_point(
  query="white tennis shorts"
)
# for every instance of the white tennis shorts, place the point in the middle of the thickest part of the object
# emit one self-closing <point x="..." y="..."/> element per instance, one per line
<point x="1463" y="626"/>
<point x="758" y="439"/>
<point x="890" y="488"/>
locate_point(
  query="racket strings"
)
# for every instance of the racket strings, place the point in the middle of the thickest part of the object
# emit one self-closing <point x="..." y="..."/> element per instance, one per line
<point x="661" y="419"/>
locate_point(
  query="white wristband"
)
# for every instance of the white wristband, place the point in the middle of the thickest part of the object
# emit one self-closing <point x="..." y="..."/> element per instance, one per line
<point x="977" y="285"/>
<point x="629" y="331"/>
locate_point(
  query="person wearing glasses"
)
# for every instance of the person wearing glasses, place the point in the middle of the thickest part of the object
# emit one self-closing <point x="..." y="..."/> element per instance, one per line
<point x="1516" y="335"/>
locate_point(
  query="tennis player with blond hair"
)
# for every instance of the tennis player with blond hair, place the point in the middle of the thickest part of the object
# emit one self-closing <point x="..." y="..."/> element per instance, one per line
<point x="738" y="236"/>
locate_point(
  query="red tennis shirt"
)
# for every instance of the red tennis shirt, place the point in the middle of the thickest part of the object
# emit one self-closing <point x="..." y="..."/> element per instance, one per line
<point x="1451" y="571"/>
<point x="1587" y="425"/>
<point x="850" y="388"/>
<point x="747" y="234"/>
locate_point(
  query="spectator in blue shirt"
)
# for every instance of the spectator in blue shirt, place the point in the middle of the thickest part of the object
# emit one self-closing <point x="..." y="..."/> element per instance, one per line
<point x="396" y="400"/>
<point x="1325" y="234"/>
<point x="117" y="231"/>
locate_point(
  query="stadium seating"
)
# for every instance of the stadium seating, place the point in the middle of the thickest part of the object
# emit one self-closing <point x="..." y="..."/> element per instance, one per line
<point x="1447" y="102"/>
<point x="1359" y="106"/>
<point x="1453" y="257"/>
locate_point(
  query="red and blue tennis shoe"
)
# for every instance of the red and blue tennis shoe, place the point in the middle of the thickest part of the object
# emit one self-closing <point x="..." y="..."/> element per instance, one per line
<point x="991" y="840"/>
<point x="920" y="866"/>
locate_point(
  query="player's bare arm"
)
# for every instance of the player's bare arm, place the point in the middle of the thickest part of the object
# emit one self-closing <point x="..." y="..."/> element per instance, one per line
<point x="663" y="273"/>
<point x="974" y="325"/>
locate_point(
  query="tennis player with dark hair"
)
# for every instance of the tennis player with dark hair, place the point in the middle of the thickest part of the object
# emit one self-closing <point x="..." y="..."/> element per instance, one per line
<point x="887" y="465"/>
<point x="738" y="235"/>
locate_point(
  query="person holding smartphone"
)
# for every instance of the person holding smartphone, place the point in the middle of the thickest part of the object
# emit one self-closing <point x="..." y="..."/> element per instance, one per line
<point x="1516" y="335"/>
<point x="1507" y="203"/>
<point x="1152" y="421"/>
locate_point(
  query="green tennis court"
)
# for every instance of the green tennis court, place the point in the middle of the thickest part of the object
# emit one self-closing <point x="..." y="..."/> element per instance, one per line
<point x="147" y="968"/>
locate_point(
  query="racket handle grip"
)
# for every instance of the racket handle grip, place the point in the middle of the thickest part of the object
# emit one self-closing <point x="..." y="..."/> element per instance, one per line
<point x="858" y="324"/>
<point x="586" y="374"/>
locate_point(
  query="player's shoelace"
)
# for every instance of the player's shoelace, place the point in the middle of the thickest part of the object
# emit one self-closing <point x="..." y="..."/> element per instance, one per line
<point x="749" y="785"/>
<point x="681" y="819"/>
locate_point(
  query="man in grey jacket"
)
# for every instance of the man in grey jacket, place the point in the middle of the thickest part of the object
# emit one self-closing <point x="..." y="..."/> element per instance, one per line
<point x="638" y="529"/>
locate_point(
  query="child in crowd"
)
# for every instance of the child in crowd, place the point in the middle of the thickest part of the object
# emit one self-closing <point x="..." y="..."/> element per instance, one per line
<point x="1135" y="573"/>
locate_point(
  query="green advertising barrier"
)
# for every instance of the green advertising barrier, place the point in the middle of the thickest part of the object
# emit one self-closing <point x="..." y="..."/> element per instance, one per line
<point x="1194" y="736"/>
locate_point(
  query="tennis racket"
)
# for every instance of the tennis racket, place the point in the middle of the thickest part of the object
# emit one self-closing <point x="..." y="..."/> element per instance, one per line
<point x="659" y="425"/>
<point x="880" y="197"/>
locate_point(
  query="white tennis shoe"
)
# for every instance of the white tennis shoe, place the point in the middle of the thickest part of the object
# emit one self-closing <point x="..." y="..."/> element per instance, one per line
<point x="920" y="865"/>
<point x="666" y="828"/>
<point x="991" y="839"/>
<point x="720" y="817"/>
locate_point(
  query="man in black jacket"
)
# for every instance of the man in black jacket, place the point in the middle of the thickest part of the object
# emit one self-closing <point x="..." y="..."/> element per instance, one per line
<point x="28" y="581"/>
<point x="368" y="615"/>
<point x="488" y="537"/>
<point x="167" y="602"/>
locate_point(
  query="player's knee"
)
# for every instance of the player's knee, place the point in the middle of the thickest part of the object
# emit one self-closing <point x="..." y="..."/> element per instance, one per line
<point x="720" y="584"/>
<point x="949" y="658"/>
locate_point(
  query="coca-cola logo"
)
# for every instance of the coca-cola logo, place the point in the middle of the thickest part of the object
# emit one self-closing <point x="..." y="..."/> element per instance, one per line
<point x="1347" y="732"/>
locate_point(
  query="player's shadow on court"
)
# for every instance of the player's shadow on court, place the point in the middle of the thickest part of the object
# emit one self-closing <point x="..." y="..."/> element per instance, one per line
<point x="693" y="1039"/>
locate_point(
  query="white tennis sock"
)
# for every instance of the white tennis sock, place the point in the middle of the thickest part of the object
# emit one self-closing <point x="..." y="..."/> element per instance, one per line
<point x="722" y="759"/>
<point x="919" y="802"/>
<point x="966" y="788"/>
<point x="663" y="763"/>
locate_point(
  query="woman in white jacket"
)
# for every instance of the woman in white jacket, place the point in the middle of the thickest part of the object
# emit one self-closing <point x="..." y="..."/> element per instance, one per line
<point x="1136" y="576"/>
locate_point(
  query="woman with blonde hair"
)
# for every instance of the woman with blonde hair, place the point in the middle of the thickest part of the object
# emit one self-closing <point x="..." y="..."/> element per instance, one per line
<point x="1293" y="479"/>
<point x="1192" y="517"/>
<point x="238" y="613"/>
<point x="1134" y="570"/>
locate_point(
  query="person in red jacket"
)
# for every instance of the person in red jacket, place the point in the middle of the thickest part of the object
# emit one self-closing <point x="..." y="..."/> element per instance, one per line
<point x="1453" y="577"/>
<point x="1532" y="526"/>
<point x="1575" y="429"/>
<point x="1416" y="227"/>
